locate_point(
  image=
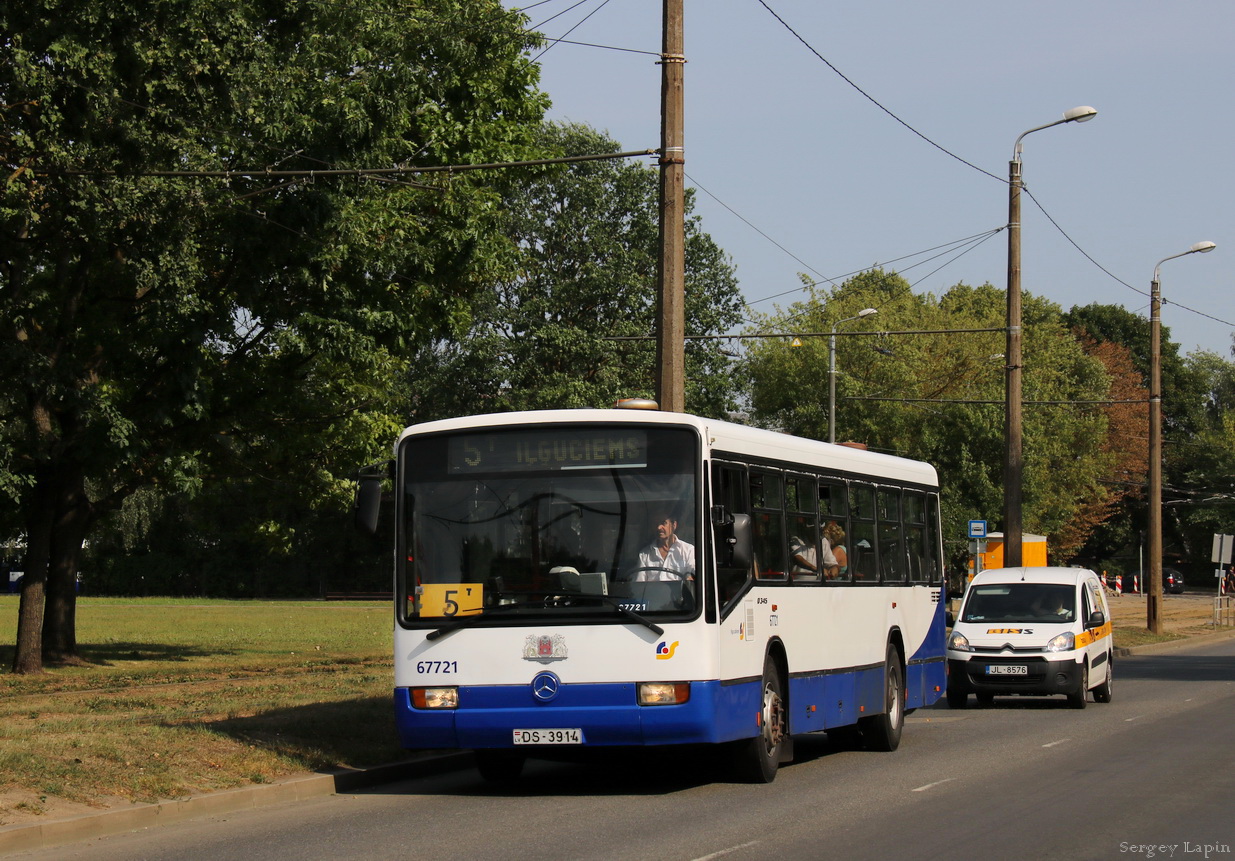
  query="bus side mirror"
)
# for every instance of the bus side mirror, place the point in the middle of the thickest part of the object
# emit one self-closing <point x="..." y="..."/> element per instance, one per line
<point x="741" y="543"/>
<point x="368" y="504"/>
<point x="734" y="546"/>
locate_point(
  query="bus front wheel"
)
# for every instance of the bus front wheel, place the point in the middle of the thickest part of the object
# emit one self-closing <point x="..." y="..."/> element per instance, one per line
<point x="758" y="757"/>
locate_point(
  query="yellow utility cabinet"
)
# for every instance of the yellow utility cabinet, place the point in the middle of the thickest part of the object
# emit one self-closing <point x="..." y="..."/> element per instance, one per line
<point x="1033" y="552"/>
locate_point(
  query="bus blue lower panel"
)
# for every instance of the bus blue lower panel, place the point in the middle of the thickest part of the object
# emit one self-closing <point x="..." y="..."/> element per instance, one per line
<point x="607" y="714"/>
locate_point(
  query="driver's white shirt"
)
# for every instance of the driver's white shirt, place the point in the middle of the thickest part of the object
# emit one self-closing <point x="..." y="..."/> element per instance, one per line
<point x="680" y="562"/>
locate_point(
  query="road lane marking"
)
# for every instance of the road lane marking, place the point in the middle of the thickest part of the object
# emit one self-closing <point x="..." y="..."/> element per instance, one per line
<point x="932" y="785"/>
<point x="724" y="852"/>
<point x="1061" y="741"/>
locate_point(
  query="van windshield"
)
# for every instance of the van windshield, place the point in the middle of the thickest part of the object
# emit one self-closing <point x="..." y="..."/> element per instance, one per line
<point x="1020" y="602"/>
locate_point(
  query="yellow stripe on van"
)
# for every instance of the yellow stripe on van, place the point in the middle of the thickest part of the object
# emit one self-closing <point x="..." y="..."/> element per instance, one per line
<point x="1087" y="637"/>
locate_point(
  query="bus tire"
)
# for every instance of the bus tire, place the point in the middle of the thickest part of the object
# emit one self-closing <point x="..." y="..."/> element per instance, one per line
<point x="1102" y="693"/>
<point x="883" y="731"/>
<point x="1079" y="697"/>
<point x="497" y="766"/>
<point x="758" y="757"/>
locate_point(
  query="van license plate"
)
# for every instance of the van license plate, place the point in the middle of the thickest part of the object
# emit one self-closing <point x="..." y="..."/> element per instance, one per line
<point x="1006" y="670"/>
<point x="548" y="736"/>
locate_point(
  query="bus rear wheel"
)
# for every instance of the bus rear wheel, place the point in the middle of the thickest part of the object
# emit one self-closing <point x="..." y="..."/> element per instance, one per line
<point x="883" y="731"/>
<point x="758" y="757"/>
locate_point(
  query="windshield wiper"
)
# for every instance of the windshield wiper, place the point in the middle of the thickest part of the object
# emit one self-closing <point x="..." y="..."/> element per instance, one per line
<point x="616" y="603"/>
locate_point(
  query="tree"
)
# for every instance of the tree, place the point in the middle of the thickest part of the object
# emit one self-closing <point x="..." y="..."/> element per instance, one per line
<point x="158" y="327"/>
<point x="1188" y="414"/>
<point x="939" y="397"/>
<point x="587" y="239"/>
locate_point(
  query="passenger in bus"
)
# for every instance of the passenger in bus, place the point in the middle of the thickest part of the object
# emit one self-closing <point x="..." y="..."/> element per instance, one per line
<point x="834" y="540"/>
<point x="805" y="560"/>
<point x="667" y="557"/>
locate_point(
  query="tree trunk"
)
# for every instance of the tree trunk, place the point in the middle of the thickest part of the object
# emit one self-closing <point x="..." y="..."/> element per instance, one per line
<point x="73" y="515"/>
<point x="28" y="657"/>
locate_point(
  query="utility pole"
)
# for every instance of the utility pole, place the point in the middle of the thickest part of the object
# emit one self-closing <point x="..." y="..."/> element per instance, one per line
<point x="1012" y="451"/>
<point x="671" y="271"/>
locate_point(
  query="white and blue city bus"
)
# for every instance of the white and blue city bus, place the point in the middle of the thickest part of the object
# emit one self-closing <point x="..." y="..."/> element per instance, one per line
<point x="530" y="622"/>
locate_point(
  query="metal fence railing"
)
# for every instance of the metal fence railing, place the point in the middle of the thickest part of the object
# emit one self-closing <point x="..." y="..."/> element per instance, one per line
<point x="1224" y="614"/>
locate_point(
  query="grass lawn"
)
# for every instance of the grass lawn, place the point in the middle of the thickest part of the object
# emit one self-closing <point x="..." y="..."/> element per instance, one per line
<point x="181" y="696"/>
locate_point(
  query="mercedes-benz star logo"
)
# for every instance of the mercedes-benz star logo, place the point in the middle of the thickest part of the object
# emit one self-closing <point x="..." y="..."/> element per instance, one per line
<point x="545" y="686"/>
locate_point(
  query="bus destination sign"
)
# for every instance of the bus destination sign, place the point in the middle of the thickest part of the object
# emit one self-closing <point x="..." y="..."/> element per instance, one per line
<point x="538" y="450"/>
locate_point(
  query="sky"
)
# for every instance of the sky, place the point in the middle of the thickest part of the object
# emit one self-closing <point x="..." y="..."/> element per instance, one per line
<point x="796" y="171"/>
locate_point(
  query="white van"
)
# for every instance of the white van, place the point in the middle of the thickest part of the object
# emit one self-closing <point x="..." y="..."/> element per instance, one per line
<point x="1032" y="631"/>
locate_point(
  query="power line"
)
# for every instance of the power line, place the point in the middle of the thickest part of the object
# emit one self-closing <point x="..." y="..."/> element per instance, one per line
<point x="873" y="100"/>
<point x="346" y="172"/>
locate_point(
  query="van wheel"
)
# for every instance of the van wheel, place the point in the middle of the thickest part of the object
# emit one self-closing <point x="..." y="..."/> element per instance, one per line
<point x="957" y="699"/>
<point x="1077" y="699"/>
<point x="758" y="757"/>
<point x="1102" y="693"/>
<point x="883" y="732"/>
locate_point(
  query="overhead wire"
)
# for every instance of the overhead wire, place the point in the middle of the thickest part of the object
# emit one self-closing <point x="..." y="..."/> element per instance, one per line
<point x="967" y="163"/>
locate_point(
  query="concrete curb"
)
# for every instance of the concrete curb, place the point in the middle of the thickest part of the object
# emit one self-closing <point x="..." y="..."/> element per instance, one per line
<point x="43" y="835"/>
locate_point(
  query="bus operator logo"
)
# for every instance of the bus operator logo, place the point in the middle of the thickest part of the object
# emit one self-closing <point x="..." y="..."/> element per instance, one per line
<point x="663" y="652"/>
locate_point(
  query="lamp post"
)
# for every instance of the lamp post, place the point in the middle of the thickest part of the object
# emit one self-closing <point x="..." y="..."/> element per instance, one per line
<point x="865" y="312"/>
<point x="1012" y="462"/>
<point x="1153" y="594"/>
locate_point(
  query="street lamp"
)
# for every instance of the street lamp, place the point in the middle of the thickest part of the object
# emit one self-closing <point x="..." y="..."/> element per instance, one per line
<point x="865" y="312"/>
<point x="1012" y="462"/>
<point x="1154" y="588"/>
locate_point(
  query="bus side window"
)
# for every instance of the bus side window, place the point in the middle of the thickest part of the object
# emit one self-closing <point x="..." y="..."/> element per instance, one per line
<point x="806" y="563"/>
<point x="729" y="486"/>
<point x="863" y="556"/>
<point x="767" y="520"/>
<point x="891" y="542"/>
<point x="914" y="510"/>
<point x="834" y="515"/>
<point x="932" y="561"/>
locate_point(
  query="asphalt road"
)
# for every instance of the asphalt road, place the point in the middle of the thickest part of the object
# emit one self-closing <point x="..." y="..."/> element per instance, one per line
<point x="1149" y="775"/>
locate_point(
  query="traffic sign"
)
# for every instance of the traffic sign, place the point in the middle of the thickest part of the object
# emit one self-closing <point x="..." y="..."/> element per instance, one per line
<point x="977" y="529"/>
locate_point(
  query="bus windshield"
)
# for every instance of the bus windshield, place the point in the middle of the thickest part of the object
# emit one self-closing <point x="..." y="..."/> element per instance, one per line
<point x="549" y="521"/>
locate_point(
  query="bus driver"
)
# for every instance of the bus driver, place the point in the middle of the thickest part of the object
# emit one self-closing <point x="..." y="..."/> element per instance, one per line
<point x="668" y="557"/>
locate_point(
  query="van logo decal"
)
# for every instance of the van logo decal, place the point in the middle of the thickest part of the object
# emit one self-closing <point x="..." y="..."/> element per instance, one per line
<point x="1009" y="630"/>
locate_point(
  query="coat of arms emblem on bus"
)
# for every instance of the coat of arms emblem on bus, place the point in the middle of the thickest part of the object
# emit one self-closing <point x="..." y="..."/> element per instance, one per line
<point x="543" y="648"/>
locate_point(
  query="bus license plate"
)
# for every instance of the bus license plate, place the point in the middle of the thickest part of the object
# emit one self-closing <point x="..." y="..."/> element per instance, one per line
<point x="548" y="736"/>
<point x="1002" y="670"/>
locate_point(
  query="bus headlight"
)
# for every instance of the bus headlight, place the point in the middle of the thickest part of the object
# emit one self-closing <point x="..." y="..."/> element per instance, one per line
<point x="663" y="693"/>
<point x="1062" y="643"/>
<point x="435" y="698"/>
<point x="958" y="642"/>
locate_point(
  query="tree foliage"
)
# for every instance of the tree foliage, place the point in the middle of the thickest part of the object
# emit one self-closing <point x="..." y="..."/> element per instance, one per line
<point x="158" y="328"/>
<point x="586" y="272"/>
<point x="939" y="397"/>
